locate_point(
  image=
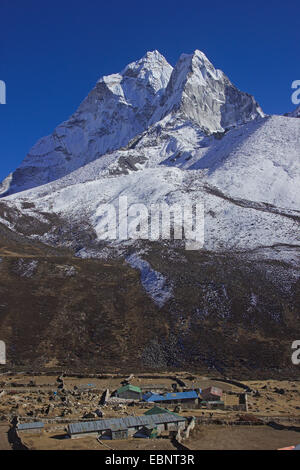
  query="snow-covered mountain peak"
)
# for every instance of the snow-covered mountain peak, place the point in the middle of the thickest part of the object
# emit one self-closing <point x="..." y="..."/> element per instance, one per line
<point x="198" y="60"/>
<point x="124" y="105"/>
<point x="151" y="66"/>
<point x="206" y="96"/>
<point x="116" y="110"/>
<point x="151" y="71"/>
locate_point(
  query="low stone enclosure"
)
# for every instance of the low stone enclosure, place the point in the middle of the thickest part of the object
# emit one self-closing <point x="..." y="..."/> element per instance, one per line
<point x="78" y="375"/>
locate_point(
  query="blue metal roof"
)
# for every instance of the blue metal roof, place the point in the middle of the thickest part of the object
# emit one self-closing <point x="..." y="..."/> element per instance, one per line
<point x="24" y="426"/>
<point x="123" y="423"/>
<point x="170" y="396"/>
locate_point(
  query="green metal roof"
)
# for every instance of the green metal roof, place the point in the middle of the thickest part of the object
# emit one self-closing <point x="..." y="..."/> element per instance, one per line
<point x="132" y="388"/>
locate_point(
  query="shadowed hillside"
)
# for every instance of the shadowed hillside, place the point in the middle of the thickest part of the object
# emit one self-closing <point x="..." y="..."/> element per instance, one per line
<point x="227" y="313"/>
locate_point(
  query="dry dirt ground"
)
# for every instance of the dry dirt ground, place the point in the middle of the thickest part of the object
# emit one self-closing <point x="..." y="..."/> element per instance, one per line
<point x="212" y="437"/>
<point x="4" y="444"/>
<point x="55" y="442"/>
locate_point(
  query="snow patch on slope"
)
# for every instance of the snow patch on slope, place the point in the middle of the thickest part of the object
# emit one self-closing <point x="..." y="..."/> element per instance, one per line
<point x="154" y="283"/>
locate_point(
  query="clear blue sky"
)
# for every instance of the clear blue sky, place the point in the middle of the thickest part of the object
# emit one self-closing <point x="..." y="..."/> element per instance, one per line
<point x="53" y="52"/>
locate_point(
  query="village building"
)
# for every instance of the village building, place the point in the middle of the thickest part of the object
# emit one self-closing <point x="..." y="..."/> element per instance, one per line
<point x="131" y="426"/>
<point x="188" y="399"/>
<point x="154" y="387"/>
<point x="129" y="392"/>
<point x="212" y="394"/>
<point x="117" y="432"/>
<point x="147" y="432"/>
<point x="34" y="429"/>
<point x="212" y="405"/>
